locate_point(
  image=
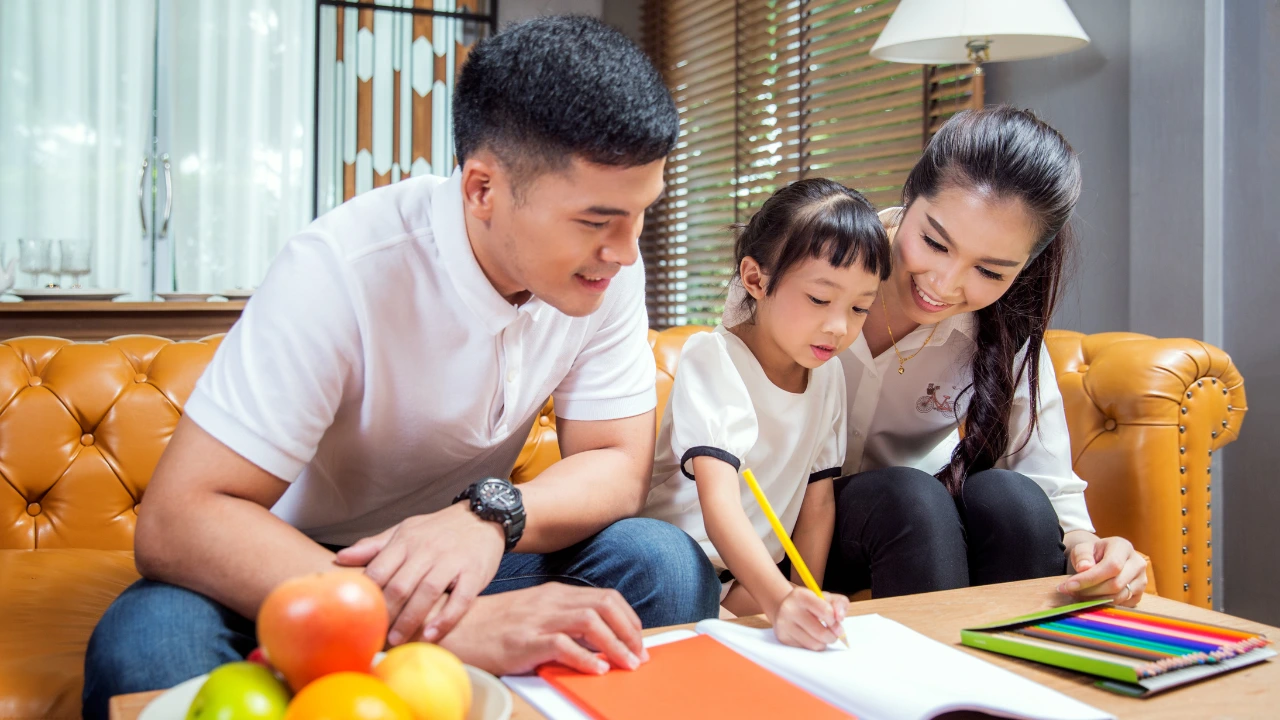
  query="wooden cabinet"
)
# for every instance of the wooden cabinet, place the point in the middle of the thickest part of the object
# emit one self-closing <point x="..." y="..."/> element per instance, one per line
<point x="103" y="320"/>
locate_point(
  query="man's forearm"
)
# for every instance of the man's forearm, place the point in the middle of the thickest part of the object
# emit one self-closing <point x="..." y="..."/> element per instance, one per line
<point x="227" y="548"/>
<point x="580" y="496"/>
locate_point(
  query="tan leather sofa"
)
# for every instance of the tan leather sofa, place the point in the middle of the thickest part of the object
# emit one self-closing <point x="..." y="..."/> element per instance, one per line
<point x="83" y="424"/>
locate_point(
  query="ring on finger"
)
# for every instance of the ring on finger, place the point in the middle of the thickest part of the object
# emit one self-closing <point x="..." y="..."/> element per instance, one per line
<point x="1128" y="591"/>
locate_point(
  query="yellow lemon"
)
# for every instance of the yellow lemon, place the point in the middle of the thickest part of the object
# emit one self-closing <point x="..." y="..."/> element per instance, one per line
<point x="429" y="678"/>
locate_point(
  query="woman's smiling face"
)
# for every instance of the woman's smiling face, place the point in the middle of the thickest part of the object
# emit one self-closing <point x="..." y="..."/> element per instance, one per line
<point x="957" y="252"/>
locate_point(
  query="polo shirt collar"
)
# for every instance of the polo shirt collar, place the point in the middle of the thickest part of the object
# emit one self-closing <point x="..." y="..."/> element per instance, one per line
<point x="459" y="260"/>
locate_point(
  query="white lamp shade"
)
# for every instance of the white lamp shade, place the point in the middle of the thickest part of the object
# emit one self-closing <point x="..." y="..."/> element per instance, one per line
<point x="934" y="32"/>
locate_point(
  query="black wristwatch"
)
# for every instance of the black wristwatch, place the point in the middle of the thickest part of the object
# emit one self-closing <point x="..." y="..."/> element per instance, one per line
<point x="499" y="501"/>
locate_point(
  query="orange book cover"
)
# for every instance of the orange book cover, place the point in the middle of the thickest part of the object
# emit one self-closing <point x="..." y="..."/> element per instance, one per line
<point x="694" y="678"/>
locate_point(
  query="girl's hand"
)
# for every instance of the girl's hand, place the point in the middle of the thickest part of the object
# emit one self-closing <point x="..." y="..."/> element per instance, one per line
<point x="804" y="620"/>
<point x="1106" y="567"/>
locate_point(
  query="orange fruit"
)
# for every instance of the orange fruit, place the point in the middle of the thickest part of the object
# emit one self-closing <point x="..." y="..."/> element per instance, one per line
<point x="322" y="623"/>
<point x="431" y="679"/>
<point x="348" y="696"/>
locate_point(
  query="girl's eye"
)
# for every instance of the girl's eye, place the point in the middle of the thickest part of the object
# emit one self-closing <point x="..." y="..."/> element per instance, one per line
<point x="990" y="275"/>
<point x="860" y="311"/>
<point x="933" y="245"/>
<point x="816" y="301"/>
<point x="594" y="225"/>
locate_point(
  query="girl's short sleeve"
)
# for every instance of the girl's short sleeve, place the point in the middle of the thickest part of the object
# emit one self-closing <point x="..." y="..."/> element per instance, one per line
<point x="712" y="413"/>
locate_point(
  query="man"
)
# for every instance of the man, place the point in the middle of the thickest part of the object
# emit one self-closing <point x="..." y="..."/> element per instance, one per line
<point x="394" y="359"/>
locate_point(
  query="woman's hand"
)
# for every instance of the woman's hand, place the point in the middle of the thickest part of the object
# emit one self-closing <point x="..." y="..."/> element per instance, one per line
<point x="804" y="620"/>
<point x="1104" y="567"/>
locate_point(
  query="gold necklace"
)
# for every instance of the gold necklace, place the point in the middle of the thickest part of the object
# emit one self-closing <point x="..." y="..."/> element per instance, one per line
<point x="902" y="361"/>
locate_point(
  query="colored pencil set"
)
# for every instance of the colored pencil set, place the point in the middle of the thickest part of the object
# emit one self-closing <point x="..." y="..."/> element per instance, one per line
<point x="1161" y="643"/>
<point x="1137" y="653"/>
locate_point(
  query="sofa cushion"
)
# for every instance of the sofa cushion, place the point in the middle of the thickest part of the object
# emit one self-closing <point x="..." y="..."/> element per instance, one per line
<point x="52" y="600"/>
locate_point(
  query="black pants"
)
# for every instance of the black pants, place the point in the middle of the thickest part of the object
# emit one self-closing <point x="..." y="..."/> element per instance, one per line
<point x="899" y="532"/>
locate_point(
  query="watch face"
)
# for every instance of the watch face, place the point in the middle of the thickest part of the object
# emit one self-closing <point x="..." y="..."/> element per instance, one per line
<point x="498" y="495"/>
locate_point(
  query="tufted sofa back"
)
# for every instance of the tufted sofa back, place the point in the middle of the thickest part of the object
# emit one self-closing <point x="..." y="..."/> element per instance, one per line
<point x="82" y="426"/>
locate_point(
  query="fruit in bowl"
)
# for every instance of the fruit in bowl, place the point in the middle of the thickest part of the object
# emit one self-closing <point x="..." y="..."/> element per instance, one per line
<point x="324" y="623"/>
<point x="240" y="691"/>
<point x="432" y="680"/>
<point x="320" y="635"/>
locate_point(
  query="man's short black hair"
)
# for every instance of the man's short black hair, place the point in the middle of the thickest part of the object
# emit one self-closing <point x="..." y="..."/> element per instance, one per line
<point x="541" y="91"/>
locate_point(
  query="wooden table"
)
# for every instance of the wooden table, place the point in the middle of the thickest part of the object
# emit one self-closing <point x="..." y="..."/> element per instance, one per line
<point x="93" y="321"/>
<point x="1253" y="692"/>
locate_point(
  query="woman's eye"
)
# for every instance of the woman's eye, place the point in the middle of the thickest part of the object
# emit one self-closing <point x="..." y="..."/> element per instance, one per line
<point x="990" y="275"/>
<point x="594" y="225"/>
<point x="816" y="301"/>
<point x="860" y="311"/>
<point x="933" y="245"/>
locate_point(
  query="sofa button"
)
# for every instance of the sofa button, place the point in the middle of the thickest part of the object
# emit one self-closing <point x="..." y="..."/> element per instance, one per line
<point x="86" y="439"/>
<point x="544" y="421"/>
<point x="1082" y="369"/>
<point x="1110" y="424"/>
<point x="34" y="381"/>
<point x="33" y="509"/>
<point x="140" y="378"/>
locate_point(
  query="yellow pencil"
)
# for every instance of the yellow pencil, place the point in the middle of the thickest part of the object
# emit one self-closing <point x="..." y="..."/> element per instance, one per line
<point x="797" y="562"/>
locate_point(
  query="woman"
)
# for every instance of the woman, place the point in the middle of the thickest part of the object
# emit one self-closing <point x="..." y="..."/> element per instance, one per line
<point x="956" y="340"/>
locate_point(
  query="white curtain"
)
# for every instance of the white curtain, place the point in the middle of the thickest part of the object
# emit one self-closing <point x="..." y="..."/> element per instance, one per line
<point x="239" y="125"/>
<point x="76" y="82"/>
<point x="230" y="83"/>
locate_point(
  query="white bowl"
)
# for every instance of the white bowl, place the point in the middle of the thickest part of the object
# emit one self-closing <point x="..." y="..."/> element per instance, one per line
<point x="490" y="699"/>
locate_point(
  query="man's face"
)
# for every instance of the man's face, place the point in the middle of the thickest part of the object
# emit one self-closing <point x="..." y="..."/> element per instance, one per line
<point x="565" y="234"/>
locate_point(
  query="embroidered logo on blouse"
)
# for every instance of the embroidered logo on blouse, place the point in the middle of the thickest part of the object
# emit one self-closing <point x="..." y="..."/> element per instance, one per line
<point x="929" y="402"/>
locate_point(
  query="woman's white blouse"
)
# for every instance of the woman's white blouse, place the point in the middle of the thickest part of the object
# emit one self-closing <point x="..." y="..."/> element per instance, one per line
<point x="723" y="405"/>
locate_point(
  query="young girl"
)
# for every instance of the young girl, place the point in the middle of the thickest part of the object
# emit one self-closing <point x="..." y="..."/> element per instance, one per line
<point x="762" y="395"/>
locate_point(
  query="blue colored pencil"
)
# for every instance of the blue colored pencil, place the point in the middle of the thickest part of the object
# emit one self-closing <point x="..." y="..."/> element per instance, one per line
<point x="1116" y="638"/>
<point x="1188" y="645"/>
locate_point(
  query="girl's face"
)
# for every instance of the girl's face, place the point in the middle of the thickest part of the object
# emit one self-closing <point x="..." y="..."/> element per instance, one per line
<point x="957" y="253"/>
<point x="816" y="311"/>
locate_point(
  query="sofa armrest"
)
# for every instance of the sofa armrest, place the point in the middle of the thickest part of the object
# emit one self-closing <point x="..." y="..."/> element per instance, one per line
<point x="1145" y="416"/>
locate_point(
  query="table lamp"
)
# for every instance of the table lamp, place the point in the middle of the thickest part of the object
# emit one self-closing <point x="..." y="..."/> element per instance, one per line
<point x="944" y="32"/>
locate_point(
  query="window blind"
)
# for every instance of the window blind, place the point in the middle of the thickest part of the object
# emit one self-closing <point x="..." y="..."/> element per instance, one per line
<point x="769" y="92"/>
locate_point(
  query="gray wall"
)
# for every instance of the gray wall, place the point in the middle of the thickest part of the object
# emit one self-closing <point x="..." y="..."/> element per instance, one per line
<point x="1166" y="155"/>
<point x="1085" y="95"/>
<point x="1251" y="260"/>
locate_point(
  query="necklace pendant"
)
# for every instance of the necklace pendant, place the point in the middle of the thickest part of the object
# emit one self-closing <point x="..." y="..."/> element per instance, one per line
<point x="901" y="370"/>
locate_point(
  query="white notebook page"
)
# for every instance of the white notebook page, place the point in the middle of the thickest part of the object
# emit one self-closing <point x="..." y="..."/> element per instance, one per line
<point x="892" y="672"/>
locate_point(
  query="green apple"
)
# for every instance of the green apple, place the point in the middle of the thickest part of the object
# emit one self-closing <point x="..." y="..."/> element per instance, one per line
<point x="240" y="691"/>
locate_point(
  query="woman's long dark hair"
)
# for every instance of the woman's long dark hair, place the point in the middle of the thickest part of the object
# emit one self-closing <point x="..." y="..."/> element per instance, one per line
<point x="1004" y="153"/>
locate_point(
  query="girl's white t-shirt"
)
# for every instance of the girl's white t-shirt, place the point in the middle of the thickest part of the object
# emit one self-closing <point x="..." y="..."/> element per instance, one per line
<point x="723" y="405"/>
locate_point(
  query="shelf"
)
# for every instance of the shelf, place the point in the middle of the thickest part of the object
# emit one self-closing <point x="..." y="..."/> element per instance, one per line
<point x="96" y="321"/>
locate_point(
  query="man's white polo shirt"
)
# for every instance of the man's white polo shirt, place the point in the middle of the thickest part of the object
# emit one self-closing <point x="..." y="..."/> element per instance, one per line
<point x="377" y="369"/>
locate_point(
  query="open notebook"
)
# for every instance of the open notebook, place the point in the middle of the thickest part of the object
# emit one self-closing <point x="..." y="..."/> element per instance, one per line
<point x="890" y="672"/>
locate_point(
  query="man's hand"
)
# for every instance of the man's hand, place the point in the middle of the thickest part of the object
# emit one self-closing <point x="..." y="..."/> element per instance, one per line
<point x="415" y="562"/>
<point x="1105" y="567"/>
<point x="514" y="632"/>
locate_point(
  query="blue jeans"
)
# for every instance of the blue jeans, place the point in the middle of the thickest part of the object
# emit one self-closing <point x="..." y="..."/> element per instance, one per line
<point x="156" y="635"/>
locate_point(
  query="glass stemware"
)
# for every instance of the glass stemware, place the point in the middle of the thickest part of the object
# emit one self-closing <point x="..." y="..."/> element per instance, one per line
<point x="35" y="257"/>
<point x="76" y="259"/>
